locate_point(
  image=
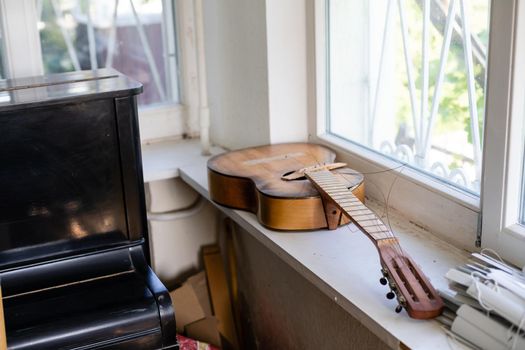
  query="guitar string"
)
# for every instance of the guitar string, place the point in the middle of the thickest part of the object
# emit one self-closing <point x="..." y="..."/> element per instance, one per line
<point x="396" y="246"/>
<point x="387" y="206"/>
<point x="398" y="252"/>
<point x="389" y="234"/>
<point x="379" y="222"/>
<point x="344" y="175"/>
<point x="386" y="200"/>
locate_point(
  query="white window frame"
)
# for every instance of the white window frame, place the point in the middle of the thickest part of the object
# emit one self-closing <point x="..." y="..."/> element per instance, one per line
<point x="23" y="57"/>
<point x="451" y="213"/>
<point x="503" y="149"/>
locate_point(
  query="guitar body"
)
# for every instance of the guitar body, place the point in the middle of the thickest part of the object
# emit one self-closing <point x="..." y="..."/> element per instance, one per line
<point x="250" y="179"/>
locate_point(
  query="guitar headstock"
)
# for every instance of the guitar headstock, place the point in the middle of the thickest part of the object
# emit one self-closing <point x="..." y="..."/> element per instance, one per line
<point x="414" y="291"/>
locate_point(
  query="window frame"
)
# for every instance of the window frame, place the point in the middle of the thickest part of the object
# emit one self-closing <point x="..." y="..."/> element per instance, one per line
<point x="455" y="214"/>
<point x="23" y="57"/>
<point x="501" y="189"/>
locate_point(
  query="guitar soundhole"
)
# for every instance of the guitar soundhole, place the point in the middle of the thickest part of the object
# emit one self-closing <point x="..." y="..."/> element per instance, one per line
<point x="291" y="172"/>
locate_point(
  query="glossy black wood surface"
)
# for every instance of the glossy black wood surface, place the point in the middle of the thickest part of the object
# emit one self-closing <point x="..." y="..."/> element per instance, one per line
<point x="59" y="196"/>
<point x="73" y="234"/>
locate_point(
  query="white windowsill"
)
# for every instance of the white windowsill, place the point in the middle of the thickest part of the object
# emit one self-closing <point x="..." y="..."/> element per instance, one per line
<point x="162" y="160"/>
<point x="343" y="263"/>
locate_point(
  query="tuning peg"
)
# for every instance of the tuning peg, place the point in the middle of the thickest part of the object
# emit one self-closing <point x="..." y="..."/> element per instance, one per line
<point x="390" y="295"/>
<point x="383" y="281"/>
<point x="398" y="309"/>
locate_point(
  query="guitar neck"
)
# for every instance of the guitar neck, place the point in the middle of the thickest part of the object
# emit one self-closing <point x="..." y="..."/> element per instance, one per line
<point x="331" y="188"/>
<point x="414" y="291"/>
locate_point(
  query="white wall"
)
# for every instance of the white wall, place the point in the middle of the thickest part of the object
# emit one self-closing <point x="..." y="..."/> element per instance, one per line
<point x="287" y="75"/>
<point x="256" y="64"/>
<point x="236" y="62"/>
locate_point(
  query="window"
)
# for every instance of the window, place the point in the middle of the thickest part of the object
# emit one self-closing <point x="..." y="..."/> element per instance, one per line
<point x="407" y="79"/>
<point x="136" y="37"/>
<point x="439" y="86"/>
<point x="130" y="36"/>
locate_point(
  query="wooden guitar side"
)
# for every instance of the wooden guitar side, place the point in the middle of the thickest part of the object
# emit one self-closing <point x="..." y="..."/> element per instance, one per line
<point x="250" y="179"/>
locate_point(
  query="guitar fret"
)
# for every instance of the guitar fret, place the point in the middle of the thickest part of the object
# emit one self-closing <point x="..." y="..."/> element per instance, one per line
<point x="339" y="196"/>
<point x="358" y="212"/>
<point x="342" y="203"/>
<point x="373" y="223"/>
<point x="350" y="199"/>
<point x="379" y="237"/>
<point x="358" y="218"/>
<point x="339" y="189"/>
<point x="332" y="183"/>
<point x="376" y="229"/>
<point x="354" y="212"/>
<point x="332" y="186"/>
<point x="336" y="190"/>
<point x="354" y="206"/>
<point x="376" y="220"/>
<point x="328" y="187"/>
<point x="325" y="179"/>
<point x="349" y="203"/>
<point x="375" y="226"/>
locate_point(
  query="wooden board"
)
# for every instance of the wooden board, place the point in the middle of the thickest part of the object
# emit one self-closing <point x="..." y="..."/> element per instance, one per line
<point x="220" y="295"/>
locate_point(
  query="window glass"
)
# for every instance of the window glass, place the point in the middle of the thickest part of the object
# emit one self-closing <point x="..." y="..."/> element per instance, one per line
<point x="522" y="204"/>
<point x="128" y="35"/>
<point x="407" y="79"/>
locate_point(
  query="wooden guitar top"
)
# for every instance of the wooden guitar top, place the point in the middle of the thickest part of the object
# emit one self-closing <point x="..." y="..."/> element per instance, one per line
<point x="250" y="179"/>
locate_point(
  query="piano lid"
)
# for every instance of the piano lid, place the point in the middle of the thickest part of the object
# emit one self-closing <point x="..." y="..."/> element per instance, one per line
<point x="70" y="171"/>
<point x="74" y="86"/>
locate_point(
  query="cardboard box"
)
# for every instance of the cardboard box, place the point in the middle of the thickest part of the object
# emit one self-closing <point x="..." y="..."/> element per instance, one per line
<point x="193" y="311"/>
<point x="220" y="296"/>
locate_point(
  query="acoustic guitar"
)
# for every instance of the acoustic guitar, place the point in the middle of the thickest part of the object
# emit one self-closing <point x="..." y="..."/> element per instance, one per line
<point x="299" y="187"/>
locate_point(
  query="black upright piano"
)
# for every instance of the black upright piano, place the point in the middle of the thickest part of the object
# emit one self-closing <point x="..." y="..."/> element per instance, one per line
<point x="74" y="257"/>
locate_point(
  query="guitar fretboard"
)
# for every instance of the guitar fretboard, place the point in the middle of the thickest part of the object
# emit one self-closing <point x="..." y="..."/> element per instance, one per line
<point x="328" y="184"/>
